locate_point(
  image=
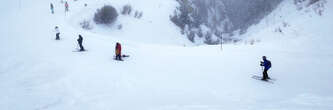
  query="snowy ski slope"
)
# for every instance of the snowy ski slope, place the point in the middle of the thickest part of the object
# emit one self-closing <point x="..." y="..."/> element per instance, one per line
<point x="165" y="71"/>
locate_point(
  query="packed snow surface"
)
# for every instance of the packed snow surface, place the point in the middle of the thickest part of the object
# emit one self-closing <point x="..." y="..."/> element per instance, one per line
<point x="164" y="70"/>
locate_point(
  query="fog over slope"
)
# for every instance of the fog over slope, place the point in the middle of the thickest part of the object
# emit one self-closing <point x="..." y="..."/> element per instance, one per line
<point x="210" y="19"/>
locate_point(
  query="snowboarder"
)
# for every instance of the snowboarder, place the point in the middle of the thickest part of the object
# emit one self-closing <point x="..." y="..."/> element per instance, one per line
<point x="118" y="52"/>
<point x="66" y="6"/>
<point x="80" y="40"/>
<point x="267" y="65"/>
<point x="52" y="8"/>
<point x="57" y="33"/>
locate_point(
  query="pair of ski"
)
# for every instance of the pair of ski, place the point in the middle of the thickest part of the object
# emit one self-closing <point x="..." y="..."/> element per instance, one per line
<point x="257" y="77"/>
<point x="79" y="51"/>
<point x="114" y="57"/>
<point x="123" y="56"/>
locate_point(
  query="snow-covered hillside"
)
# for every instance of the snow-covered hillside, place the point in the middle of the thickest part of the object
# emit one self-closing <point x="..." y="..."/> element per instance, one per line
<point x="165" y="71"/>
<point x="304" y="30"/>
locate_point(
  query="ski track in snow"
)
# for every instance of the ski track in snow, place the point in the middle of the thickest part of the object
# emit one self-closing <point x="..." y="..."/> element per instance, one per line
<point x="164" y="72"/>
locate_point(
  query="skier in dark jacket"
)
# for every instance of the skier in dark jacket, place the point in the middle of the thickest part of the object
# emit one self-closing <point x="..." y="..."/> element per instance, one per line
<point x="52" y="8"/>
<point x="80" y="40"/>
<point x="118" y="52"/>
<point x="56" y="29"/>
<point x="267" y="65"/>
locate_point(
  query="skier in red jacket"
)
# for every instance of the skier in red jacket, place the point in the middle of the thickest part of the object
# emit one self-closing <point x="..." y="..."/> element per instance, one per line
<point x="118" y="52"/>
<point x="66" y="6"/>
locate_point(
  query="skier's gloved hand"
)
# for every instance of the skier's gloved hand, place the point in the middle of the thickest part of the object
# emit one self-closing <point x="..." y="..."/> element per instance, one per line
<point x="261" y="63"/>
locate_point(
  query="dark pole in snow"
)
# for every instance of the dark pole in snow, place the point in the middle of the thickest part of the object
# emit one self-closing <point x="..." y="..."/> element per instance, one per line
<point x="221" y="41"/>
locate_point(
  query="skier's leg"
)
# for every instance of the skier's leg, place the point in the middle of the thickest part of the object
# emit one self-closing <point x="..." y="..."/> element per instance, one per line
<point x="81" y="47"/>
<point x="265" y="75"/>
<point x="57" y="36"/>
<point x="117" y="57"/>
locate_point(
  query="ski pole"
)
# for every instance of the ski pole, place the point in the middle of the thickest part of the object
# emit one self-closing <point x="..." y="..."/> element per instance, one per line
<point x="262" y="68"/>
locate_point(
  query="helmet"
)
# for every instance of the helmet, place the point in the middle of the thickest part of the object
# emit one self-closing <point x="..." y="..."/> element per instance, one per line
<point x="263" y="57"/>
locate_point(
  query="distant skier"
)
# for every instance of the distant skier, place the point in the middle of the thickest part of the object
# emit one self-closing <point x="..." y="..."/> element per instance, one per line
<point x="66" y="6"/>
<point x="118" y="52"/>
<point x="80" y="40"/>
<point x="52" y="8"/>
<point x="56" y="29"/>
<point x="267" y="65"/>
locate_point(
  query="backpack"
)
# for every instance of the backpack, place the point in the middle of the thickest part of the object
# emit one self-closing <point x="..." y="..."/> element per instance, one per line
<point x="269" y="64"/>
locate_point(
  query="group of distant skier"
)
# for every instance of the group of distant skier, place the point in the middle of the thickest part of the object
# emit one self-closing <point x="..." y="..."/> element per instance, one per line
<point x="66" y="7"/>
<point x="266" y="64"/>
<point x="118" y="55"/>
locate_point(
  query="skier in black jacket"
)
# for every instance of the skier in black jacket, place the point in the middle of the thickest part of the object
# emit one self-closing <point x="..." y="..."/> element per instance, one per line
<point x="80" y="40"/>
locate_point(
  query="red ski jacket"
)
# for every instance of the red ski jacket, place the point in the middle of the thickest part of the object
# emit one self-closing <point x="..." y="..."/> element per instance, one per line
<point x="118" y="49"/>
